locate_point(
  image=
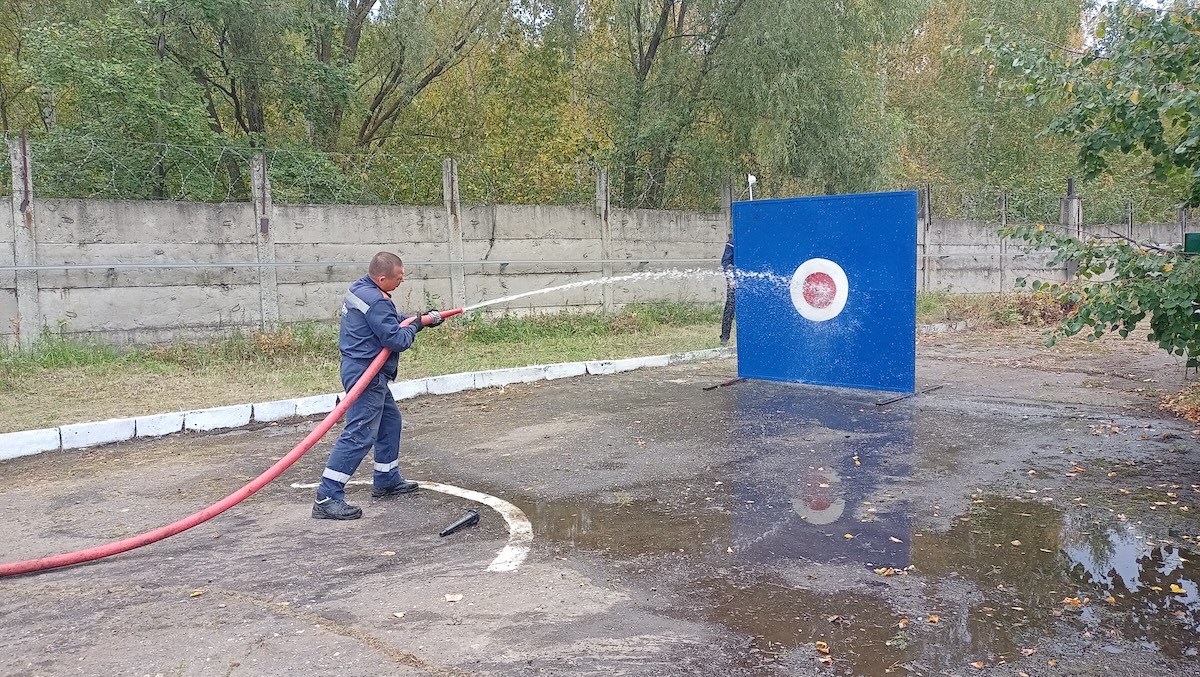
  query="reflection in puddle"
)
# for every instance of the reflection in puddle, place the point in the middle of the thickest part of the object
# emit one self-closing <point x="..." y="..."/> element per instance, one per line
<point x="1152" y="587"/>
<point x="1022" y="560"/>
<point x="1033" y="560"/>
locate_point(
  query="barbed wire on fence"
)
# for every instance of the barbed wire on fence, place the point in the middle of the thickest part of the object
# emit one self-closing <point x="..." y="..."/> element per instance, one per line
<point x="78" y="166"/>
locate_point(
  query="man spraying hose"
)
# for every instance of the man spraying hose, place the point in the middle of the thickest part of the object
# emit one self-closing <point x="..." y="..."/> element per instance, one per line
<point x="370" y="323"/>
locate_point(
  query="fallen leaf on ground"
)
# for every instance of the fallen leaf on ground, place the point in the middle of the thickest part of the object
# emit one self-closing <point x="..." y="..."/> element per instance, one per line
<point x="849" y="536"/>
<point x="978" y="665"/>
<point x="1110" y="599"/>
<point x="822" y="647"/>
<point x="933" y="618"/>
<point x="893" y="539"/>
<point x="454" y="597"/>
<point x="197" y="593"/>
<point x="902" y="624"/>
<point x="1072" y="601"/>
<point x="825" y="660"/>
<point x="1155" y="588"/>
<point x="1028" y="652"/>
<point x="1125" y="491"/>
<point x="1177" y="590"/>
<point x="1052" y="662"/>
<point x="388" y="553"/>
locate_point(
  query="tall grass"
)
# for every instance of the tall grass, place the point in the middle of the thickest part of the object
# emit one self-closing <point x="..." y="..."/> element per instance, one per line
<point x="989" y="310"/>
<point x="315" y="343"/>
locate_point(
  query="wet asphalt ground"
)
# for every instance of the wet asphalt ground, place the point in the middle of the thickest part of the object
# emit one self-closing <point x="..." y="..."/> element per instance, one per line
<point x="1035" y="515"/>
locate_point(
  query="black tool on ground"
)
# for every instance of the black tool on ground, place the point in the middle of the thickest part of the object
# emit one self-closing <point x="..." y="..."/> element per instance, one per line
<point x="905" y="396"/>
<point x="723" y="384"/>
<point x="472" y="517"/>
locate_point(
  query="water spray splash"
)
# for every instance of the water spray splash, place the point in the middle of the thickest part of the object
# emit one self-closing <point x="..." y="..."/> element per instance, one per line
<point x="659" y="275"/>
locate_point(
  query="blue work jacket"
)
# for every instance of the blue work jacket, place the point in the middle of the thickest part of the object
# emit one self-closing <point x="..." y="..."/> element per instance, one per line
<point x="370" y="323"/>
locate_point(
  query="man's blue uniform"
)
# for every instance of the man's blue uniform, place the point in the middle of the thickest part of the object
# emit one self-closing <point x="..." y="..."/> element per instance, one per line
<point x="370" y="323"/>
<point x="730" y="295"/>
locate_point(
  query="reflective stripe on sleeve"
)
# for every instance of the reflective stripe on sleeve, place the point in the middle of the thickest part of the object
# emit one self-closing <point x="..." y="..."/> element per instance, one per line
<point x="352" y="301"/>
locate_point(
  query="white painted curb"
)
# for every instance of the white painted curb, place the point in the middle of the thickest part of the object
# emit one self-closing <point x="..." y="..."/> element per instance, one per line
<point x="317" y="404"/>
<point x="503" y="377"/>
<point x="265" y="412"/>
<point x="450" y="383"/>
<point x="406" y="390"/>
<point x="203" y="420"/>
<point x="157" y="425"/>
<point x="80" y="435"/>
<point x="565" y="370"/>
<point x="83" y="435"/>
<point x="29" y="442"/>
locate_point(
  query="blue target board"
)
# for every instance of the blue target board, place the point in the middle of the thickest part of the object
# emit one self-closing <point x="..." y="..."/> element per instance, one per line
<point x="827" y="290"/>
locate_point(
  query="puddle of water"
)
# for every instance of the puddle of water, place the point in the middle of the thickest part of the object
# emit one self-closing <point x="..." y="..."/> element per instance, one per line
<point x="813" y="483"/>
<point x="1011" y="597"/>
<point x="1031" y="561"/>
<point x="778" y="618"/>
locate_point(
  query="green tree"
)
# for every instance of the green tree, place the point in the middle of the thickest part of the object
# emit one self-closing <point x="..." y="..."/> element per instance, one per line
<point x="965" y="132"/>
<point x="114" y="102"/>
<point x="803" y="87"/>
<point x="1133" y="90"/>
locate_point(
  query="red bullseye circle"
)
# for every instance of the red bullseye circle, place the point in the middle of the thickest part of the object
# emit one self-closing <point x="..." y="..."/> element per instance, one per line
<point x="819" y="290"/>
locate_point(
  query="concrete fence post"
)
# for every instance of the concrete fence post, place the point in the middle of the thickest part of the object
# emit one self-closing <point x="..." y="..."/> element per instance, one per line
<point x="1003" y="242"/>
<point x="29" y="313"/>
<point x="606" y="268"/>
<point x="1181" y="217"/>
<point x="727" y="206"/>
<point x="924" y="223"/>
<point x="454" y="233"/>
<point x="264" y="243"/>
<point x="1070" y="216"/>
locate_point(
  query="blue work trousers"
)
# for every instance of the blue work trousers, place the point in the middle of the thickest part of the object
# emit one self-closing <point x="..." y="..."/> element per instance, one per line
<point x="373" y="420"/>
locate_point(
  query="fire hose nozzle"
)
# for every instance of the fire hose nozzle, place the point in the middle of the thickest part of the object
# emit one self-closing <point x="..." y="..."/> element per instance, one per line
<point x="444" y="313"/>
<point x="472" y="517"/>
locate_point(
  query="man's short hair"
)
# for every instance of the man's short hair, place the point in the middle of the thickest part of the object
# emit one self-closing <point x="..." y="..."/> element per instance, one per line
<point x="384" y="264"/>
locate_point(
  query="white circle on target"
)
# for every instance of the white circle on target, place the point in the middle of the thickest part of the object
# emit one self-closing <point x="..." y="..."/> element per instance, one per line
<point x="819" y="289"/>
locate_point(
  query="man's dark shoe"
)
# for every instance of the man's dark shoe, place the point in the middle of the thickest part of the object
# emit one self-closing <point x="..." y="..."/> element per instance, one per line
<point x="335" y="509"/>
<point x="405" y="487"/>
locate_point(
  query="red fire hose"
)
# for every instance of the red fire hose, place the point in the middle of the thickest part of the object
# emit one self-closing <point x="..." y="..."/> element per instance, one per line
<point x="116" y="547"/>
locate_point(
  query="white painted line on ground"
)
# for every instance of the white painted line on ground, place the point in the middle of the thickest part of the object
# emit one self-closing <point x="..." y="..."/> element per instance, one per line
<point x="520" y="531"/>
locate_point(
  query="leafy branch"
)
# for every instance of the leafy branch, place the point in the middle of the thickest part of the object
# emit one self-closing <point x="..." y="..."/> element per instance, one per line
<point x="1119" y="284"/>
